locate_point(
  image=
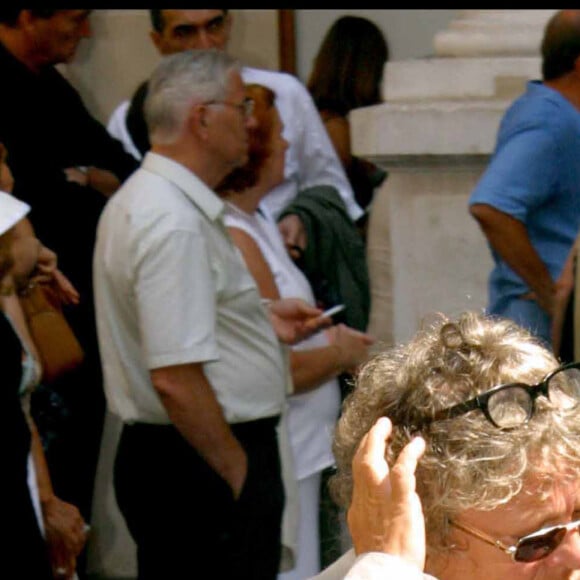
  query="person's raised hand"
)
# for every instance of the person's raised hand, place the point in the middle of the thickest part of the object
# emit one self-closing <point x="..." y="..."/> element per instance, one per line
<point x="385" y="514"/>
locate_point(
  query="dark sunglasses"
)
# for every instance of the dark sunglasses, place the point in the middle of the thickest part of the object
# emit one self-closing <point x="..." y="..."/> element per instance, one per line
<point x="529" y="548"/>
<point x="513" y="404"/>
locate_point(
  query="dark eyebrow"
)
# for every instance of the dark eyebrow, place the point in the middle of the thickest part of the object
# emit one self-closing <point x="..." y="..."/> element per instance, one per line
<point x="194" y="28"/>
<point x="189" y="28"/>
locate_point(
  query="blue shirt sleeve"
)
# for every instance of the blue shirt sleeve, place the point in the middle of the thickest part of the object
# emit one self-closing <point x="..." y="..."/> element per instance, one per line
<point x="521" y="175"/>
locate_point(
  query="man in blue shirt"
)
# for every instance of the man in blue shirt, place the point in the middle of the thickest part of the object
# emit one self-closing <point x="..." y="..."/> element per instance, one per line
<point x="528" y="200"/>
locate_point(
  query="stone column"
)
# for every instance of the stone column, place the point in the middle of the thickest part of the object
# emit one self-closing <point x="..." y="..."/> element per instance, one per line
<point x="434" y="134"/>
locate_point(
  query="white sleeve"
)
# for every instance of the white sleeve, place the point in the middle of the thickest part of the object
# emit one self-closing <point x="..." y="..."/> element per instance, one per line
<point x="319" y="162"/>
<point x="311" y="158"/>
<point x="117" y="128"/>
<point x="377" y="566"/>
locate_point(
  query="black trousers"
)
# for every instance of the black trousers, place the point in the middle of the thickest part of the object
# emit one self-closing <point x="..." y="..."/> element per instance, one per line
<point x="182" y="514"/>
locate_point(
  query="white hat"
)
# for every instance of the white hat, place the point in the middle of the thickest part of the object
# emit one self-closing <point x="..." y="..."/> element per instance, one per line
<point x="12" y="210"/>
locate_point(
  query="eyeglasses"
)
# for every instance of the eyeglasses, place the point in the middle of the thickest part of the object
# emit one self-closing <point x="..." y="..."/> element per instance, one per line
<point x="246" y="107"/>
<point x="529" y="548"/>
<point x="513" y="404"/>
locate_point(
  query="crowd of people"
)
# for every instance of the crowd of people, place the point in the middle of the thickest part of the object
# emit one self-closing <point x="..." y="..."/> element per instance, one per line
<point x="238" y="374"/>
<point x="185" y="241"/>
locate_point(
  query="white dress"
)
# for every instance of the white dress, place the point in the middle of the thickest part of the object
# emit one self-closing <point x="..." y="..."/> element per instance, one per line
<point x="312" y="415"/>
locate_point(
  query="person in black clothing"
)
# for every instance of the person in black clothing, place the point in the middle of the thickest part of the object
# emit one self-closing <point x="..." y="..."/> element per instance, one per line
<point x="65" y="164"/>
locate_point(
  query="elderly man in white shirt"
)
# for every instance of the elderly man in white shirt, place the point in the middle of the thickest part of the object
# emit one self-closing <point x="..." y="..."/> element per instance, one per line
<point x="310" y="160"/>
<point x="192" y="364"/>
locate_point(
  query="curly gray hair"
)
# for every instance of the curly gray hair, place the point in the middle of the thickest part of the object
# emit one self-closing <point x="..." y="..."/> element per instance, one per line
<point x="468" y="463"/>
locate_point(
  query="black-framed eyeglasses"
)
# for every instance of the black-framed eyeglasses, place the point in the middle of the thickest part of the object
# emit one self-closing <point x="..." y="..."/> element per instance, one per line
<point x="529" y="548"/>
<point x="246" y="107"/>
<point x="513" y="404"/>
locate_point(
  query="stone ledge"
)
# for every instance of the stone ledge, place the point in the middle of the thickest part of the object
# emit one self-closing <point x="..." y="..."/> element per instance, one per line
<point x="458" y="78"/>
<point x="437" y="128"/>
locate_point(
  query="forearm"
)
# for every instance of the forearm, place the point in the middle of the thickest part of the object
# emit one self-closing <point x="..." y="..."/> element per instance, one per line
<point x="45" y="489"/>
<point x="102" y="180"/>
<point x="510" y="239"/>
<point x="311" y="368"/>
<point x="195" y="412"/>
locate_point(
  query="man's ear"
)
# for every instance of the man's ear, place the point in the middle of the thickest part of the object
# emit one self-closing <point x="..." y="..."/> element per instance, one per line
<point x="198" y="121"/>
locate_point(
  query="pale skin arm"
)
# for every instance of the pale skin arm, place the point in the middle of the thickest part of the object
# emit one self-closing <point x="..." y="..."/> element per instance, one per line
<point x="509" y="237"/>
<point x="65" y="527"/>
<point x="313" y="367"/>
<point x="293" y="319"/>
<point x="102" y="180"/>
<point x="195" y="412"/>
<point x="385" y="514"/>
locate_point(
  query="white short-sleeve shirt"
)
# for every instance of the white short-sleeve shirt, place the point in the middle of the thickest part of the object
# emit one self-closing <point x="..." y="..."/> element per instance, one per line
<point x="171" y="288"/>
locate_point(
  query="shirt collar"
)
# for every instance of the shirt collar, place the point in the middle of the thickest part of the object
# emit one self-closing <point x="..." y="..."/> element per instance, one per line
<point x="193" y="187"/>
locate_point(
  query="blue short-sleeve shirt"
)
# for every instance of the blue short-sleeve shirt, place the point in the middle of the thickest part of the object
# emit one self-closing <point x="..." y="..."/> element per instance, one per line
<point x="534" y="176"/>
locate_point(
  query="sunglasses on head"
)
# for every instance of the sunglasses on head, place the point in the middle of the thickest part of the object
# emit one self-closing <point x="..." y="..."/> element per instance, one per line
<point x="513" y="404"/>
<point x="529" y="548"/>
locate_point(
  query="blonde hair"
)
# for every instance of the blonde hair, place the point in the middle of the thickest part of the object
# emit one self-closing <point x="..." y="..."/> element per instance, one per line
<point x="468" y="463"/>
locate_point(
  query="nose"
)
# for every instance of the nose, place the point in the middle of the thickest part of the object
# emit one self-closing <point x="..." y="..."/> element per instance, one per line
<point x="567" y="555"/>
<point x="205" y="40"/>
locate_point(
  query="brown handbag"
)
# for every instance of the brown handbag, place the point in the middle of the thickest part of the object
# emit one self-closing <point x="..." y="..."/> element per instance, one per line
<point x="58" y="347"/>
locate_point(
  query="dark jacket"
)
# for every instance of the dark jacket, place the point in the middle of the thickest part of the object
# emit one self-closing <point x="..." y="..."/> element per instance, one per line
<point x="335" y="259"/>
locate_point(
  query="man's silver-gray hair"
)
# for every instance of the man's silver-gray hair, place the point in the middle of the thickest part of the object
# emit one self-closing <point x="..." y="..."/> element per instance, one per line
<point x="180" y="81"/>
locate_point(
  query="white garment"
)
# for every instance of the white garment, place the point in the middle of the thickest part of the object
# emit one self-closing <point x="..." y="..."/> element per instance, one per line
<point x="171" y="288"/>
<point x="312" y="415"/>
<point x="371" y="566"/>
<point x="308" y="545"/>
<point x="310" y="159"/>
<point x="117" y="127"/>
